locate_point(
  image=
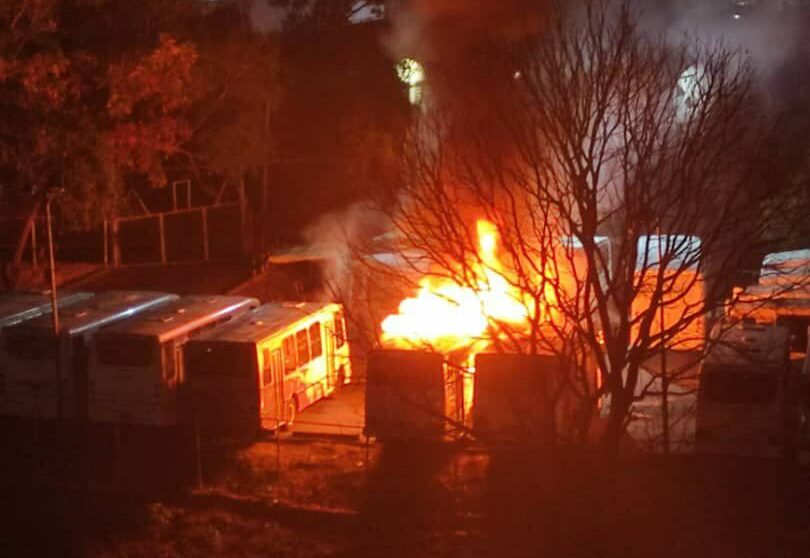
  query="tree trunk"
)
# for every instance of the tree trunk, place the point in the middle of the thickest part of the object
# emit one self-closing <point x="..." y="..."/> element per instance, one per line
<point x="612" y="436"/>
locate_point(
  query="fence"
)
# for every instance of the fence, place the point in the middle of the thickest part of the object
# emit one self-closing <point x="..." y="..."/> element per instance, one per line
<point x="181" y="236"/>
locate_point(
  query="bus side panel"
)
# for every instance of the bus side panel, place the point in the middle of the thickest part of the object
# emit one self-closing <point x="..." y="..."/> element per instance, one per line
<point x="224" y="398"/>
<point x="32" y="389"/>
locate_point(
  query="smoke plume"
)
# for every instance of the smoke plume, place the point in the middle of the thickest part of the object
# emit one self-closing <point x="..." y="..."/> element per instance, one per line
<point x="336" y="237"/>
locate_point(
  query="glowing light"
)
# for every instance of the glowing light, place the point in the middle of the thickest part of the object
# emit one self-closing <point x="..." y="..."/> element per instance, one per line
<point x="446" y="315"/>
<point x="410" y="71"/>
<point x="691" y="89"/>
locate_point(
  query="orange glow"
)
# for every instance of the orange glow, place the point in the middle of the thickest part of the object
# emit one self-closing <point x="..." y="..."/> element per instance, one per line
<point x="446" y="315"/>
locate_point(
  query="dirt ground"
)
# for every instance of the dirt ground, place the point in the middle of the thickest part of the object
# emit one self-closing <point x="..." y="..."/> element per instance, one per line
<point x="336" y="498"/>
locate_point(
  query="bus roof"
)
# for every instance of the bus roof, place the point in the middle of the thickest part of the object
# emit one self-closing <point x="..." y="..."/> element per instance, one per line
<point x="18" y="307"/>
<point x="183" y="315"/>
<point x="98" y="311"/>
<point x="267" y="320"/>
<point x="786" y="268"/>
<point x="679" y="250"/>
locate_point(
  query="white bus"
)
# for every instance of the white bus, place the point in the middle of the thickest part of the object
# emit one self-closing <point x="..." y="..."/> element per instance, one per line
<point x="45" y="376"/>
<point x="260" y="371"/>
<point x="136" y="367"/>
<point x="19" y="307"/>
<point x="748" y="401"/>
<point x="781" y="297"/>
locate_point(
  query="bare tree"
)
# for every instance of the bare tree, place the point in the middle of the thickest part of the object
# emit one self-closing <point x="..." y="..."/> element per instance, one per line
<point x="623" y="176"/>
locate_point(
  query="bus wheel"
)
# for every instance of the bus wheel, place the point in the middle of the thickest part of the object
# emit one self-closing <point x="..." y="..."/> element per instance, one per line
<point x="341" y="377"/>
<point x="291" y="411"/>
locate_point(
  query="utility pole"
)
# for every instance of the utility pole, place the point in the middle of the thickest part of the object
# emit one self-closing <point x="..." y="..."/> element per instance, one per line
<point x="265" y="174"/>
<point x="54" y="305"/>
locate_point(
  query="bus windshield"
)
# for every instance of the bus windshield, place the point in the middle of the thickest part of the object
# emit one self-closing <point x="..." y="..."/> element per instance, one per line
<point x="120" y="350"/>
<point x="739" y="385"/>
<point x="222" y="359"/>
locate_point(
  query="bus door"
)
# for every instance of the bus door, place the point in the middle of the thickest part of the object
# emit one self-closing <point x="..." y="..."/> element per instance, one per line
<point x="170" y="365"/>
<point x="329" y="356"/>
<point x="272" y="384"/>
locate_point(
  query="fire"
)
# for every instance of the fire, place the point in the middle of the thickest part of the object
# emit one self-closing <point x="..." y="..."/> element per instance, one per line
<point x="444" y="314"/>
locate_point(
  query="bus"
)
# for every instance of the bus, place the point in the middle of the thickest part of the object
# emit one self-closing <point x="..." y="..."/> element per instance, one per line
<point x="19" y="307"/>
<point x="45" y="376"/>
<point x="782" y="296"/>
<point x="136" y="367"/>
<point x="260" y="371"/>
<point x="748" y="397"/>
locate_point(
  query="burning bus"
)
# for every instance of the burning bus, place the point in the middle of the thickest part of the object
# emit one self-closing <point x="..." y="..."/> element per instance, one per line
<point x="674" y="261"/>
<point x="438" y="333"/>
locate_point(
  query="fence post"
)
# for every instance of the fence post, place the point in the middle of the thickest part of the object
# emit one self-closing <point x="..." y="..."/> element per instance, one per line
<point x="106" y="230"/>
<point x="198" y="450"/>
<point x="206" y="255"/>
<point x="116" y="246"/>
<point x="162" y="230"/>
<point x="34" y="243"/>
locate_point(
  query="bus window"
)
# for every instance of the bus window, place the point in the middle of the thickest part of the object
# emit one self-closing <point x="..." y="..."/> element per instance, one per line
<point x="290" y="361"/>
<point x="315" y="339"/>
<point x="267" y="377"/>
<point x="302" y="342"/>
<point x="739" y="386"/>
<point x="168" y="360"/>
<point x="340" y="330"/>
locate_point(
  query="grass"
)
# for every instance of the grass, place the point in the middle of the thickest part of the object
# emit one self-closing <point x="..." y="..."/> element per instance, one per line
<point x="329" y="498"/>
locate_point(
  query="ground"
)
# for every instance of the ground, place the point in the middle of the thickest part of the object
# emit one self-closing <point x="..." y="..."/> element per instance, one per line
<point x="340" y="415"/>
<point x="416" y="501"/>
<point x="334" y="494"/>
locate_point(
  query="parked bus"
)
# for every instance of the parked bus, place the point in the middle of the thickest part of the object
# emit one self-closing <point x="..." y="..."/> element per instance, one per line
<point x="136" y="367"/>
<point x="781" y="297"/>
<point x="45" y="376"/>
<point x="748" y="401"/>
<point x="19" y="307"/>
<point x="260" y="371"/>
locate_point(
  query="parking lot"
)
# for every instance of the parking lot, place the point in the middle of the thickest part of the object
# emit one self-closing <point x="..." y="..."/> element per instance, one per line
<point x="342" y="414"/>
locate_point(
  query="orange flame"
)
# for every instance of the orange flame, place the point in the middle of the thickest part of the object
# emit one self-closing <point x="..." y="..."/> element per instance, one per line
<point x="446" y="315"/>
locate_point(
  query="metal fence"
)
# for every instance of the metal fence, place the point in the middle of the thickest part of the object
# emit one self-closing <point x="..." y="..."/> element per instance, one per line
<point x="208" y="233"/>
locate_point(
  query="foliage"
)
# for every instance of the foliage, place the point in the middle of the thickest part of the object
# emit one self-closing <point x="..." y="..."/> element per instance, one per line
<point x="149" y="97"/>
<point x="98" y="112"/>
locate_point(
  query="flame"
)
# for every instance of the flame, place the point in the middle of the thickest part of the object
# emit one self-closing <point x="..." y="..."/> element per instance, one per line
<point x="444" y="314"/>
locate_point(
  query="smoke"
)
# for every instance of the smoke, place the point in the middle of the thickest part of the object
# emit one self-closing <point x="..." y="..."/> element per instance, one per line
<point x="266" y="17"/>
<point x="337" y="237"/>
<point x="765" y="32"/>
<point x="442" y="30"/>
